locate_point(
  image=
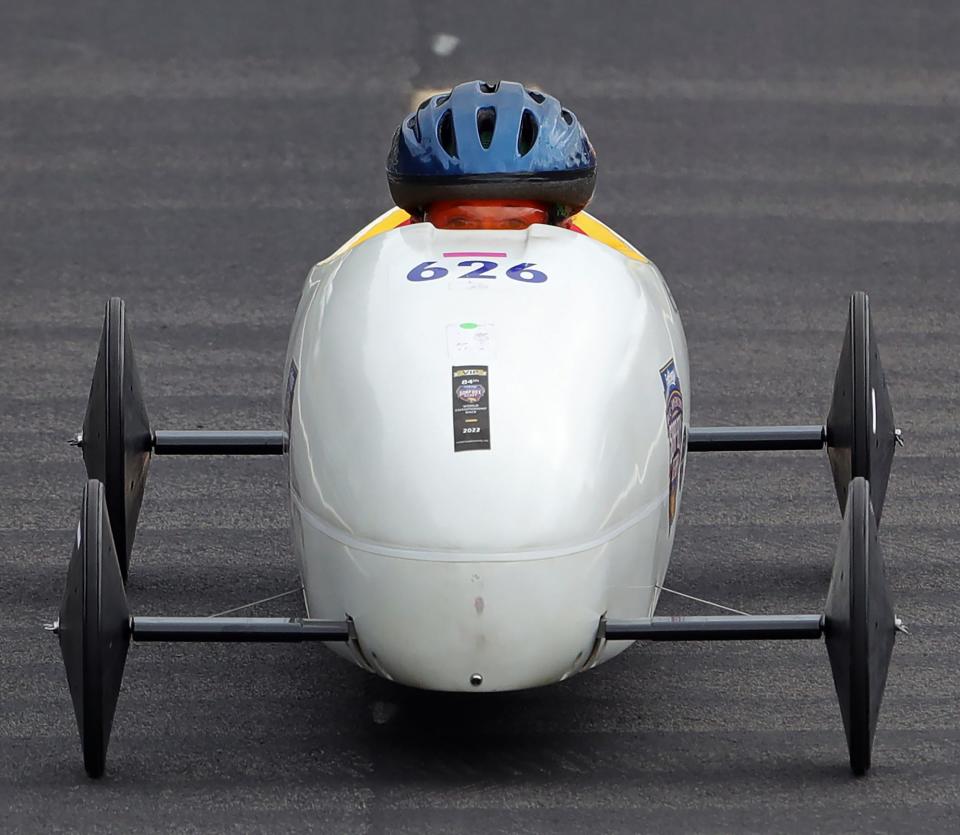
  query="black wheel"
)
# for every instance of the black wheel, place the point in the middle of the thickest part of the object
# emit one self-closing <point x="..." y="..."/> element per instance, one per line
<point x="94" y="628"/>
<point x="859" y="625"/>
<point x="116" y="432"/>
<point x="861" y="433"/>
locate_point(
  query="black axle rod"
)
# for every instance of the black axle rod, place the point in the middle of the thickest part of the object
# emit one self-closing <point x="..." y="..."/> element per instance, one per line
<point x="287" y="630"/>
<point x="204" y="442"/>
<point x="702" y="439"/>
<point x="258" y="630"/>
<point x="717" y="628"/>
<point x="756" y="438"/>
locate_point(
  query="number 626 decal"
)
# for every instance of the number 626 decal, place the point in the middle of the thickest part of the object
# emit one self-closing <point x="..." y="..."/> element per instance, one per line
<point x="524" y="271"/>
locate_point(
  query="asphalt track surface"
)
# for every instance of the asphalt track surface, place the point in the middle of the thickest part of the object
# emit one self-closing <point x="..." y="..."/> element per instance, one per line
<point x="197" y="158"/>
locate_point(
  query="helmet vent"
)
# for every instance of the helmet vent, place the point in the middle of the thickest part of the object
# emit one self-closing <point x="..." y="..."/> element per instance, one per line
<point x="441" y="100"/>
<point x="487" y="87"/>
<point x="414" y="124"/>
<point x="486" y="125"/>
<point x="539" y="98"/>
<point x="445" y="135"/>
<point x="528" y="133"/>
<point x="567" y="116"/>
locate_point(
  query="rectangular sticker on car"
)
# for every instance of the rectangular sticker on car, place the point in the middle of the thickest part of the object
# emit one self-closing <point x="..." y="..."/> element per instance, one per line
<point x="471" y="407"/>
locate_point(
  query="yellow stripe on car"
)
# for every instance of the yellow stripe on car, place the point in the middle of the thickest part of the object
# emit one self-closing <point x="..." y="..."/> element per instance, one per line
<point x="599" y="231"/>
<point x="390" y="219"/>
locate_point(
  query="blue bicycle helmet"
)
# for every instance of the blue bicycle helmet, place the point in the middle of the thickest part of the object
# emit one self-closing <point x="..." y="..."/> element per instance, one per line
<point x="492" y="141"/>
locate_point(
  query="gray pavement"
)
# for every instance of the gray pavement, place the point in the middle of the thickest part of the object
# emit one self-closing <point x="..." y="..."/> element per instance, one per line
<point x="197" y="157"/>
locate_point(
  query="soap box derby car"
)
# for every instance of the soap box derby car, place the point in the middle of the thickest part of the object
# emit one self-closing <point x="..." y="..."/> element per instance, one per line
<point x="529" y="544"/>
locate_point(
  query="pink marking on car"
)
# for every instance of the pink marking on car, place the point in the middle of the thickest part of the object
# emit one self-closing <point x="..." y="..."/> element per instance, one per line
<point x="474" y="254"/>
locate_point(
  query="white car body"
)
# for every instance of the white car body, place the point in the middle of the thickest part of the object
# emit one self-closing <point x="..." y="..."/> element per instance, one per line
<point x="473" y="568"/>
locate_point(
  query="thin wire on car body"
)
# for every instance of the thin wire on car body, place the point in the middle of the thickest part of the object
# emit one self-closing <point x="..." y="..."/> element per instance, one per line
<point x="701" y="600"/>
<point x="257" y="602"/>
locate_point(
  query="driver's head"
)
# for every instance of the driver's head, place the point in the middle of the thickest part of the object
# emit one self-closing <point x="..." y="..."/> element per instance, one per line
<point x="483" y="146"/>
<point x="486" y="214"/>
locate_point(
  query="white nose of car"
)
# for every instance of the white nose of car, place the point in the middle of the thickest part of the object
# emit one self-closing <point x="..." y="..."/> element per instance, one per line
<point x="486" y="433"/>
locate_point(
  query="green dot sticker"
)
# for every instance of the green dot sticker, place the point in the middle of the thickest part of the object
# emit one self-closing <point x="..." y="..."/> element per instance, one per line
<point x="468" y="326"/>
